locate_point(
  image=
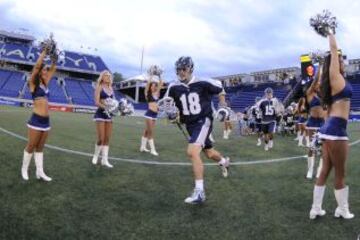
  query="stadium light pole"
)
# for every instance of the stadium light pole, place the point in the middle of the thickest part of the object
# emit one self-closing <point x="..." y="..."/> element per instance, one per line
<point x="142" y="59"/>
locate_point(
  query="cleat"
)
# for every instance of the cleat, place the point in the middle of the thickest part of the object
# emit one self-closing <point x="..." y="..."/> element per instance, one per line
<point x="225" y="168"/>
<point x="197" y="197"/>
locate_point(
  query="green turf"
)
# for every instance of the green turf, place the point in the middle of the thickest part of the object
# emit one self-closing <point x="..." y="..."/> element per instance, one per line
<point x="136" y="201"/>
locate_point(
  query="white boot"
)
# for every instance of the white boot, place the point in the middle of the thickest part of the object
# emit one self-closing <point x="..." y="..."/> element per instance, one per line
<point x="319" y="168"/>
<point x="307" y="141"/>
<point x="298" y="133"/>
<point x="271" y="143"/>
<point x="39" y="162"/>
<point x="266" y="147"/>
<point x="25" y="165"/>
<point x="105" y="155"/>
<point x="144" y="141"/>
<point x="300" y="143"/>
<point x="311" y="161"/>
<point x="97" y="151"/>
<point x="152" y="147"/>
<point x="316" y="208"/>
<point x="342" y="196"/>
<point x="258" y="142"/>
<point x="226" y="134"/>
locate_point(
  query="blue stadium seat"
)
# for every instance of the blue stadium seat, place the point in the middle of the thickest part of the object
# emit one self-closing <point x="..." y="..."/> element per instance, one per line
<point x="11" y="83"/>
<point x="73" y="60"/>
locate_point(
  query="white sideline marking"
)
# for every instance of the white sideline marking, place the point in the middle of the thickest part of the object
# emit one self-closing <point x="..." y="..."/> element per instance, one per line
<point x="149" y="162"/>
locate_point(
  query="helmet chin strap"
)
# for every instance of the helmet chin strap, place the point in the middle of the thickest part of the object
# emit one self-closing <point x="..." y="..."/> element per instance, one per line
<point x="185" y="80"/>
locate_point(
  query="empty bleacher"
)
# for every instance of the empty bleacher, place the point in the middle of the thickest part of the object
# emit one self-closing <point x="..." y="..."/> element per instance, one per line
<point x="10" y="83"/>
<point x="355" y="100"/>
<point x="72" y="60"/>
<point x="244" y="96"/>
<point x="81" y="92"/>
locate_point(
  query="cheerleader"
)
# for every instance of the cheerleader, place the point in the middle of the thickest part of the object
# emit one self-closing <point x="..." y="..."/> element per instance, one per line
<point x="152" y="95"/>
<point x="336" y="93"/>
<point x="315" y="121"/>
<point x="103" y="119"/>
<point x="39" y="123"/>
<point x="302" y="113"/>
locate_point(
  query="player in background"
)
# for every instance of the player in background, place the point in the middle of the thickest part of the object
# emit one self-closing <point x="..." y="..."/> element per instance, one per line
<point x="268" y="108"/>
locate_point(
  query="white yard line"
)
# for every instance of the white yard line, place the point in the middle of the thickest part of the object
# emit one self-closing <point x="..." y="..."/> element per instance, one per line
<point x="149" y="162"/>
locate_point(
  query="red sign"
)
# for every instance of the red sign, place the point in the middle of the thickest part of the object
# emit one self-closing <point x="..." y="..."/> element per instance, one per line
<point x="60" y="108"/>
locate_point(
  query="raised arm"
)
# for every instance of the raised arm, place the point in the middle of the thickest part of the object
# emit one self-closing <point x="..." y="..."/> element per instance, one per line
<point x="337" y="81"/>
<point x="161" y="84"/>
<point x="147" y="86"/>
<point x="36" y="69"/>
<point x="52" y="70"/>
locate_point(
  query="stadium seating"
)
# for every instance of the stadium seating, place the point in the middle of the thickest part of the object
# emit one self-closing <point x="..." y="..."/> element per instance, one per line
<point x="15" y="51"/>
<point x="355" y="101"/>
<point x="81" y="92"/>
<point x="355" y="83"/>
<point x="95" y="62"/>
<point x="245" y="95"/>
<point x="10" y="83"/>
<point x="73" y="60"/>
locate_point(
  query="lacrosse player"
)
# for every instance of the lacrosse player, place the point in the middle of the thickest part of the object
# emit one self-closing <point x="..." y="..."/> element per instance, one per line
<point x="193" y="97"/>
<point x="268" y="107"/>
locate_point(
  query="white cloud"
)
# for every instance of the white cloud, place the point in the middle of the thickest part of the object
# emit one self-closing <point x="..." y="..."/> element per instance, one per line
<point x="223" y="36"/>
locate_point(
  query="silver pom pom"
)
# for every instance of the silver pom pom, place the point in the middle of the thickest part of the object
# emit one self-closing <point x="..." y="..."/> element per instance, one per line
<point x="50" y="46"/>
<point x="155" y="70"/>
<point x="317" y="57"/>
<point x="324" y="23"/>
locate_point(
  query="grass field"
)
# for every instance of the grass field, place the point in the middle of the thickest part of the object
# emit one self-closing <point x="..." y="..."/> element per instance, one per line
<point x="140" y="201"/>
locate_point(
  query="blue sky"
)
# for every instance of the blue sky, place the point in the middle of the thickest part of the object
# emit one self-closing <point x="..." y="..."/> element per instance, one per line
<point x="223" y="37"/>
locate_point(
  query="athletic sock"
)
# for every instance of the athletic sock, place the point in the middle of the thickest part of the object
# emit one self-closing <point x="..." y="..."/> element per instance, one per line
<point x="222" y="161"/>
<point x="199" y="184"/>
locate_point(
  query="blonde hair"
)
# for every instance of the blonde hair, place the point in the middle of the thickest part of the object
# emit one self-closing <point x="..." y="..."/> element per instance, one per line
<point x="101" y="76"/>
